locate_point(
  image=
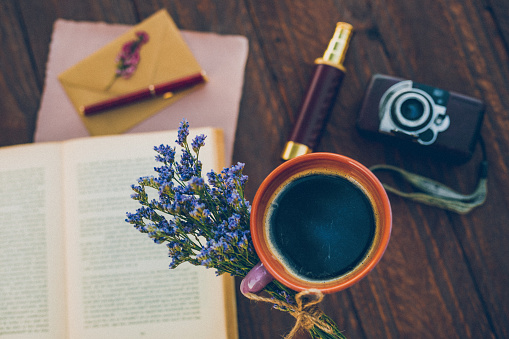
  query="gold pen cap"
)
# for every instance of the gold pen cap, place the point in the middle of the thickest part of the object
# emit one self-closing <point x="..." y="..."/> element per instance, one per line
<point x="294" y="149"/>
<point x="335" y="53"/>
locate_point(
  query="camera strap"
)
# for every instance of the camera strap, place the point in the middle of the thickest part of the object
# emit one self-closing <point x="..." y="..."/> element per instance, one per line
<point x="436" y="194"/>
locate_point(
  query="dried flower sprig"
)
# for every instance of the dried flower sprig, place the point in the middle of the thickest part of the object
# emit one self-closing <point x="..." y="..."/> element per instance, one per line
<point x="128" y="58"/>
<point x="204" y="222"/>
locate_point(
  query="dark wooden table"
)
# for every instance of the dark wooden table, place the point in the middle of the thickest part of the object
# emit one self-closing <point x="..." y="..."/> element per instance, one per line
<point x="444" y="275"/>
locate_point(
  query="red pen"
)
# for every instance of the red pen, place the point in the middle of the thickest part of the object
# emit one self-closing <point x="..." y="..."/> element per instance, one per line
<point x="151" y="91"/>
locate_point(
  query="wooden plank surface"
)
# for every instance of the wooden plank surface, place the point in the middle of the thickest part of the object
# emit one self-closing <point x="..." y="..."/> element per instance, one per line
<point x="444" y="275"/>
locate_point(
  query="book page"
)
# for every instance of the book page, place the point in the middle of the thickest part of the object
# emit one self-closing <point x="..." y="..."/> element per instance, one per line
<point x="120" y="283"/>
<point x="32" y="290"/>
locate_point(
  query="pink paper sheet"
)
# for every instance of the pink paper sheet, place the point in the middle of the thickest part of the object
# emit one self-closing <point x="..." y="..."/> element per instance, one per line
<point x="223" y="57"/>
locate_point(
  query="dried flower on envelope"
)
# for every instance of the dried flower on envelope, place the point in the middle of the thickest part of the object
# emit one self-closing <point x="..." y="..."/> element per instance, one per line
<point x="129" y="57"/>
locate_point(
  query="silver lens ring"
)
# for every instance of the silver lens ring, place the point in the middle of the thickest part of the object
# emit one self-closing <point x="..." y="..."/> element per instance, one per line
<point x="402" y="116"/>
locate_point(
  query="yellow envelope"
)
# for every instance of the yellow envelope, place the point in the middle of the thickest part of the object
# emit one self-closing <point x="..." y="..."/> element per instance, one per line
<point x="165" y="57"/>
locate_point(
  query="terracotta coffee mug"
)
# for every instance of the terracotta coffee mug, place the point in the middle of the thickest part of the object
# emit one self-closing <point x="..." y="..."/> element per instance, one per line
<point x="320" y="221"/>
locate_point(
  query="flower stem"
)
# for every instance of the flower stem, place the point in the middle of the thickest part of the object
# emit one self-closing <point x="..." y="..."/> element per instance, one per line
<point x="112" y="81"/>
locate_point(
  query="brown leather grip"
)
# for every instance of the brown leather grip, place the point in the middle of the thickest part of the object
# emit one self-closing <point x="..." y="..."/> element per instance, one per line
<point x="315" y="108"/>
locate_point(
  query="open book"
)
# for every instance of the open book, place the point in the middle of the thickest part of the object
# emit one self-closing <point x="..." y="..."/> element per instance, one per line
<point x="71" y="267"/>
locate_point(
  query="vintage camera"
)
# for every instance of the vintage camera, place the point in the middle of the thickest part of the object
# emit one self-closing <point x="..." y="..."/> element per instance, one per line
<point x="439" y="122"/>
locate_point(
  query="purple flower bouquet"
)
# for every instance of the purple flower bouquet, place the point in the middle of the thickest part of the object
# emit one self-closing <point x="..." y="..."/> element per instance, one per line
<point x="206" y="223"/>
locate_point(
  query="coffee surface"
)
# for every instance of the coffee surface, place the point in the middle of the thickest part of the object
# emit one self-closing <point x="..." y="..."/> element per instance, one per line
<point x="321" y="225"/>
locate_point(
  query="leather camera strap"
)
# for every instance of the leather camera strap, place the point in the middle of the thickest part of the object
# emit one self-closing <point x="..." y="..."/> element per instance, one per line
<point x="436" y="194"/>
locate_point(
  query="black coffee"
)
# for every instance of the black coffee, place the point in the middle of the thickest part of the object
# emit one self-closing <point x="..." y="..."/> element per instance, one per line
<point x="322" y="226"/>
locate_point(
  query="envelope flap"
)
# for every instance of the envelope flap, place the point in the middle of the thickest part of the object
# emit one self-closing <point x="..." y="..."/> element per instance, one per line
<point x="97" y="72"/>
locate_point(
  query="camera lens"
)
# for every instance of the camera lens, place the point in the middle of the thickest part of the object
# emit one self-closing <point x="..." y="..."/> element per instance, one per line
<point x="412" y="109"/>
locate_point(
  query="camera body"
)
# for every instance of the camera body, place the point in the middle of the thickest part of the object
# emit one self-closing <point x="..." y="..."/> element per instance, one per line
<point x="442" y="123"/>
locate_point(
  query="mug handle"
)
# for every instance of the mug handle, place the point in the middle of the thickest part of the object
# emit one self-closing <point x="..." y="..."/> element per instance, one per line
<point x="256" y="279"/>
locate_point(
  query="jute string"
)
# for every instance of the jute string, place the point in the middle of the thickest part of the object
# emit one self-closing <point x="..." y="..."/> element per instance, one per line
<point x="306" y="312"/>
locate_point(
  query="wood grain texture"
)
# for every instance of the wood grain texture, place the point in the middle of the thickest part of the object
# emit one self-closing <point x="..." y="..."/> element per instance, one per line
<point x="444" y="275"/>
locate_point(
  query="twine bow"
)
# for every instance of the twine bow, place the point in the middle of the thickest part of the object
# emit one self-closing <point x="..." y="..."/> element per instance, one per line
<point x="306" y="312"/>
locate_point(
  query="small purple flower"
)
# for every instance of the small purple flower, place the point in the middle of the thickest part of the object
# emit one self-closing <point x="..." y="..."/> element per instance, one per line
<point x="129" y="57"/>
<point x="198" y="142"/>
<point x="166" y="154"/>
<point x="183" y="132"/>
<point x="142" y="36"/>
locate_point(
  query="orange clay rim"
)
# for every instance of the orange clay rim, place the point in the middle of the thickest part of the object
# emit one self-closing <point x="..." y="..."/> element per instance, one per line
<point x="323" y="163"/>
